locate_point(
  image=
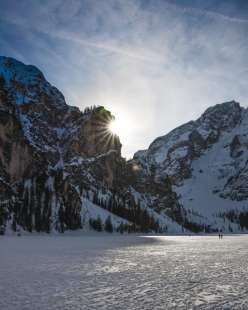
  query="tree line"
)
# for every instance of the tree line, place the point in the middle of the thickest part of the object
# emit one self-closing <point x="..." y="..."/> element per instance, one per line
<point x="140" y="219"/>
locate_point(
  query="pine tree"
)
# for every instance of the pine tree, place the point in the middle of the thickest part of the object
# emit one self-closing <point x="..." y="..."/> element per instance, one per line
<point x="96" y="224"/>
<point x="38" y="224"/>
<point x="2" y="220"/>
<point x="121" y="228"/>
<point x="108" y="225"/>
<point x="14" y="223"/>
<point x="61" y="215"/>
<point x="99" y="224"/>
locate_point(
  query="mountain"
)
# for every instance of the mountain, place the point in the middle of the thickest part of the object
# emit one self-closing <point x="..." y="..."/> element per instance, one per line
<point x="61" y="168"/>
<point x="206" y="161"/>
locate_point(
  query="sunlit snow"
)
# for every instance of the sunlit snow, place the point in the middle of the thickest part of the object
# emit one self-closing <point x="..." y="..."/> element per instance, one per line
<point x="123" y="272"/>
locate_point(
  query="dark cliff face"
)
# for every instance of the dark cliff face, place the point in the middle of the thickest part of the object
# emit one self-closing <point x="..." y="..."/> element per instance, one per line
<point x="48" y="150"/>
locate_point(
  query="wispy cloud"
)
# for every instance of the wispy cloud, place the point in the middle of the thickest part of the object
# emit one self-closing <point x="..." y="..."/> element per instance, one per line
<point x="123" y="51"/>
<point x="206" y="13"/>
<point x="156" y="63"/>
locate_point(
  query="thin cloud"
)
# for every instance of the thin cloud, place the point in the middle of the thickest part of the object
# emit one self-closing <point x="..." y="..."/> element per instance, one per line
<point x="68" y="36"/>
<point x="207" y="13"/>
<point x="156" y="65"/>
<point x="155" y="58"/>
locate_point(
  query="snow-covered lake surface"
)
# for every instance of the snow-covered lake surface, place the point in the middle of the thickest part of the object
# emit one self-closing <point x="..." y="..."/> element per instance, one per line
<point x="123" y="272"/>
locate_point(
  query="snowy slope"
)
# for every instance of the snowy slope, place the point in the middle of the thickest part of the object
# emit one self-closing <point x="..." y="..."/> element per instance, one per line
<point x="207" y="161"/>
<point x="93" y="211"/>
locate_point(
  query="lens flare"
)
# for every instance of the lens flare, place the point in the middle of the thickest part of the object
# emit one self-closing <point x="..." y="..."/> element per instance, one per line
<point x="121" y="126"/>
<point x="114" y="127"/>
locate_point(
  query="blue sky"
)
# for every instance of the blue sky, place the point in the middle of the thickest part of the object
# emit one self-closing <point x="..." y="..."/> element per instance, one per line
<point x="155" y="64"/>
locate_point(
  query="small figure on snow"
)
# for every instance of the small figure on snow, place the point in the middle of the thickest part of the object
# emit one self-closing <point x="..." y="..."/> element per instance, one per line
<point x="220" y="234"/>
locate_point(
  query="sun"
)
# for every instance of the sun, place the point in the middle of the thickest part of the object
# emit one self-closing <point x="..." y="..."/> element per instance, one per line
<point x="119" y="127"/>
<point x="114" y="127"/>
<point x="123" y="126"/>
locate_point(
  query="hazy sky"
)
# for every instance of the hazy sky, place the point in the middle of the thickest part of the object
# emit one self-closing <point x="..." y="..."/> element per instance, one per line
<point x="155" y="64"/>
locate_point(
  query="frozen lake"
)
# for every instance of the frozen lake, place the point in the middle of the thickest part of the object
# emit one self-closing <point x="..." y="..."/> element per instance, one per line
<point x="123" y="272"/>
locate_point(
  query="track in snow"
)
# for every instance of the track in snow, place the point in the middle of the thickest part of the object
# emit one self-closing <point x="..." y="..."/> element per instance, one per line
<point x="123" y="272"/>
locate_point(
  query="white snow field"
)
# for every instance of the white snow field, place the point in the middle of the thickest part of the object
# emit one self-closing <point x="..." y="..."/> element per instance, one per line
<point x="123" y="272"/>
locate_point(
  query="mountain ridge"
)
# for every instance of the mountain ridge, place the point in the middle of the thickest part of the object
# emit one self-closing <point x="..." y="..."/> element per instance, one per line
<point x="61" y="168"/>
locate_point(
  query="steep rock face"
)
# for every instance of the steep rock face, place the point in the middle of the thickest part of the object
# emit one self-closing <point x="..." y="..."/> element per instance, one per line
<point x="42" y="139"/>
<point x="48" y="123"/>
<point x="17" y="159"/>
<point x="48" y="202"/>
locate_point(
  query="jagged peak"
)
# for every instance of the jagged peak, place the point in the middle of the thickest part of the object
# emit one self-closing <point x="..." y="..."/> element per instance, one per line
<point x="223" y="108"/>
<point x="27" y="82"/>
<point x="11" y="68"/>
<point x="224" y="115"/>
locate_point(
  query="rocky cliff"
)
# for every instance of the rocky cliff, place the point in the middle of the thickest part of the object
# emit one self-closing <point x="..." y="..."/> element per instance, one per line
<point x="44" y="143"/>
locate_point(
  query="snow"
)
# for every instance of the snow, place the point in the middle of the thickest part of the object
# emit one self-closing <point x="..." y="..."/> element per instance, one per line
<point x="179" y="152"/>
<point x="165" y="221"/>
<point x="79" y="160"/>
<point x="90" y="210"/>
<point x="26" y="75"/>
<point x="60" y="132"/>
<point x="210" y="173"/>
<point x="219" y="172"/>
<point x="30" y="79"/>
<point x="158" y="150"/>
<point x="123" y="272"/>
<point x="12" y="69"/>
<point x="50" y="183"/>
